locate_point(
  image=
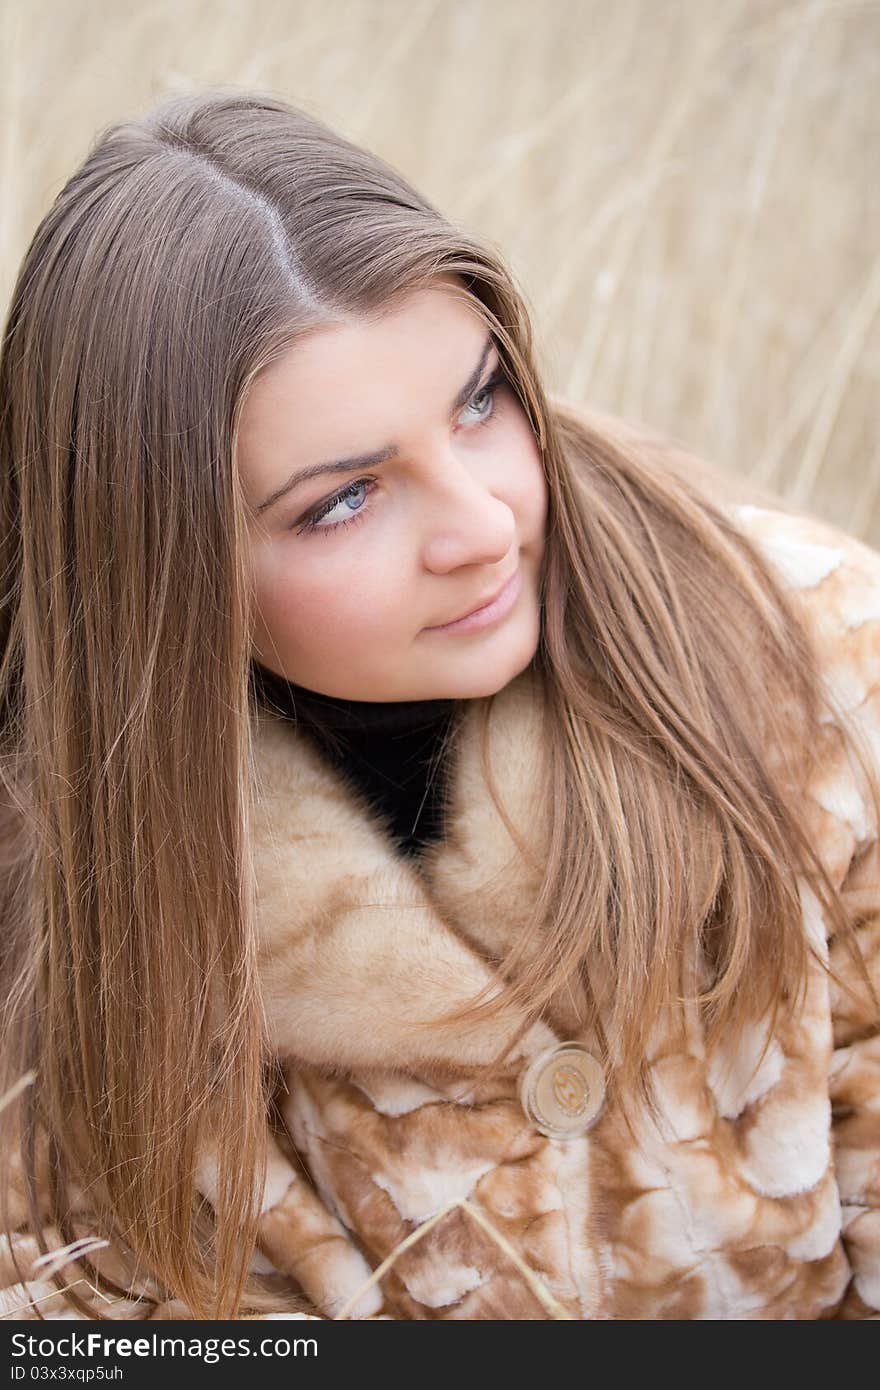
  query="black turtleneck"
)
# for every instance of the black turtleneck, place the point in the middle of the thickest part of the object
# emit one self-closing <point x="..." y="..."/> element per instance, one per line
<point x="393" y="750"/>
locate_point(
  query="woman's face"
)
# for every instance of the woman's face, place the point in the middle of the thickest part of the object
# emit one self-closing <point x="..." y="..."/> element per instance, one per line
<point x="440" y="501"/>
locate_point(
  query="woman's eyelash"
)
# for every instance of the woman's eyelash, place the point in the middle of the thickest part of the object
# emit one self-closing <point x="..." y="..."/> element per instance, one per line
<point x="309" y="524"/>
<point x="498" y="378"/>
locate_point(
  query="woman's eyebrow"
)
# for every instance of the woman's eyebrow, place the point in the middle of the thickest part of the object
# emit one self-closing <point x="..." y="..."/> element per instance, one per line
<point x="379" y="455"/>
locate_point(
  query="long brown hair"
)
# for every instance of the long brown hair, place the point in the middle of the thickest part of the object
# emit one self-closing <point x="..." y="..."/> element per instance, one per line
<point x="190" y="249"/>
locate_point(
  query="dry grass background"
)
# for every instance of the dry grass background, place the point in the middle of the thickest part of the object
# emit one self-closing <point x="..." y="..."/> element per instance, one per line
<point x="687" y="193"/>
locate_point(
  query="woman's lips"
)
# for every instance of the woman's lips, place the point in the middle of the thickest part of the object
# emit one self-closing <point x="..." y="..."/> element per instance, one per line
<point x="491" y="612"/>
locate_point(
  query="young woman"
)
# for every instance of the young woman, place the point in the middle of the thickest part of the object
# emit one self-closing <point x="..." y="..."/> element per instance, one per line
<point x="440" y="826"/>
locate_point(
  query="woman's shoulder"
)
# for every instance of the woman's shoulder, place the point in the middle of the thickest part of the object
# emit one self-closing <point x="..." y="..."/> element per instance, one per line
<point x="834" y="581"/>
<point x="809" y="553"/>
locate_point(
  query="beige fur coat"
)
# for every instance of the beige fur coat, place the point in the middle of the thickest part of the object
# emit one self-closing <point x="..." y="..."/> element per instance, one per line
<point x="759" y="1197"/>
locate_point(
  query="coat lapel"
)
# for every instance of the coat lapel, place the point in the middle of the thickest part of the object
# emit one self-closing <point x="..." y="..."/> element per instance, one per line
<point x="360" y="949"/>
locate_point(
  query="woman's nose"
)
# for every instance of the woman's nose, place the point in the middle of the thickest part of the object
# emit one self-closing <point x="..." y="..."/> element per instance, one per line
<point x="466" y="524"/>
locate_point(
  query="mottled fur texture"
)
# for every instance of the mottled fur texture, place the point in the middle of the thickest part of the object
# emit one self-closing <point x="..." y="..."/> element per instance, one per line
<point x="758" y="1197"/>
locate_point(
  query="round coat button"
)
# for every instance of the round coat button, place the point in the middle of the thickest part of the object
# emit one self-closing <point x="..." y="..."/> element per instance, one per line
<point x="562" y="1090"/>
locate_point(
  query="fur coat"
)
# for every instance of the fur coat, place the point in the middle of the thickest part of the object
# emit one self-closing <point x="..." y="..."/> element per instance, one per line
<point x="527" y="1197"/>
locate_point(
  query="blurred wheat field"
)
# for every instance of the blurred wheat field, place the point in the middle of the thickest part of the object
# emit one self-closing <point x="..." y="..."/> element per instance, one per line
<point x="687" y="193"/>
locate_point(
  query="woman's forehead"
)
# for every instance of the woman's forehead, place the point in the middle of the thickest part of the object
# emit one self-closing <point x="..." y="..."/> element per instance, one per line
<point x="438" y="322"/>
<point x="330" y="393"/>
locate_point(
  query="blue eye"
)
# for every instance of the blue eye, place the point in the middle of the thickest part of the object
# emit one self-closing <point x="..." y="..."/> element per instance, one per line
<point x="489" y="389"/>
<point x="310" y="524"/>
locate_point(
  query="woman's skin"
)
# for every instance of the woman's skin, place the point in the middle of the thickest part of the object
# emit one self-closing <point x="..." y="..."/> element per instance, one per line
<point x="431" y="533"/>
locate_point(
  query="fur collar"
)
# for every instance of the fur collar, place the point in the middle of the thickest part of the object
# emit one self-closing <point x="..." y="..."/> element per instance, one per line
<point x="357" y="943"/>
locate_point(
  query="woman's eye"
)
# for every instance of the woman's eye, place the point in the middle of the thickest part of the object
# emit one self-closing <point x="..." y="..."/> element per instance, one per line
<point x="317" y="522"/>
<point x="341" y="500"/>
<point x="487" y="390"/>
